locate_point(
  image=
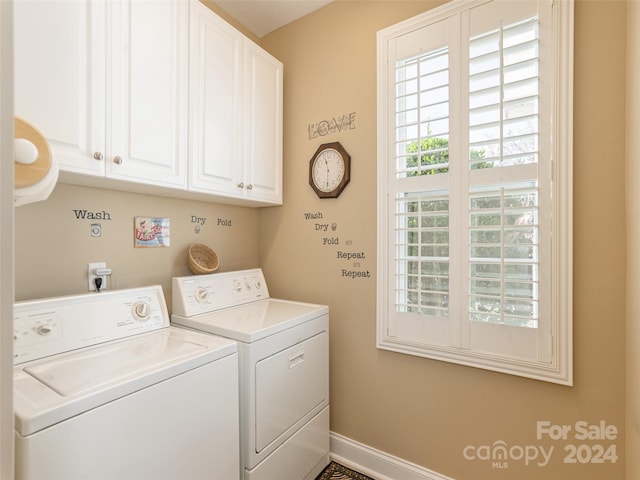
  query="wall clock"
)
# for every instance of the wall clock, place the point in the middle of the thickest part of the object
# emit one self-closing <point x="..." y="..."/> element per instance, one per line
<point x="329" y="170"/>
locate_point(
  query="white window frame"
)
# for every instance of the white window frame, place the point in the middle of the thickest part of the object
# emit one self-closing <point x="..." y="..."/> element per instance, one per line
<point x="558" y="368"/>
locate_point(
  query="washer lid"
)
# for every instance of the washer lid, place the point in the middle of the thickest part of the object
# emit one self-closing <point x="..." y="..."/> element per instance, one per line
<point x="253" y="321"/>
<point x="51" y="390"/>
<point x="81" y="372"/>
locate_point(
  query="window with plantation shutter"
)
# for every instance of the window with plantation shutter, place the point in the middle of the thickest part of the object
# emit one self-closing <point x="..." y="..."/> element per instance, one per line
<point x="474" y="186"/>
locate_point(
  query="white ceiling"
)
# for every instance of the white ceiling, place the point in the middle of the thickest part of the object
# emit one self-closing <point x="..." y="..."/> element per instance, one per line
<point x="264" y="16"/>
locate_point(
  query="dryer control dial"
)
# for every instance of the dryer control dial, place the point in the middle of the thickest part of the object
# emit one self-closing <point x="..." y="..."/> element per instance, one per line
<point x="44" y="330"/>
<point x="141" y="311"/>
<point x="202" y="295"/>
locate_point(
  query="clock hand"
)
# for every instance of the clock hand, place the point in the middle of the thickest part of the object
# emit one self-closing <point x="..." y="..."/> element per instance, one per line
<point x="328" y="171"/>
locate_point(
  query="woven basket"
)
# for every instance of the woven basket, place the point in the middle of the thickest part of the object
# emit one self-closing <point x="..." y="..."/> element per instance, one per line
<point x="202" y="259"/>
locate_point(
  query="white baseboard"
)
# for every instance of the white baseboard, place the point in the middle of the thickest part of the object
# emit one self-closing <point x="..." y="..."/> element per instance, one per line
<point x="377" y="464"/>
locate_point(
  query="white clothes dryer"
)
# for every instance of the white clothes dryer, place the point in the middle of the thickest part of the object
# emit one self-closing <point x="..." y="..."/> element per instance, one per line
<point x="284" y="369"/>
<point x="105" y="388"/>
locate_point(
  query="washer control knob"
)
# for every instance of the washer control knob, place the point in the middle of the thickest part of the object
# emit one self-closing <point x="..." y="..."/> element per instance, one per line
<point x="44" y="330"/>
<point x="141" y="311"/>
<point x="202" y="295"/>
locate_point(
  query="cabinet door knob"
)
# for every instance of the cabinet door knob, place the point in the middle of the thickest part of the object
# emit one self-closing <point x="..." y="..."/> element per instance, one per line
<point x="241" y="185"/>
<point x="249" y="187"/>
<point x="98" y="155"/>
<point x="117" y="160"/>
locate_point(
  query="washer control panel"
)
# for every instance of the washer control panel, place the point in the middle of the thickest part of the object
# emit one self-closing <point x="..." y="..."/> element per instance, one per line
<point x="207" y="293"/>
<point x="56" y="325"/>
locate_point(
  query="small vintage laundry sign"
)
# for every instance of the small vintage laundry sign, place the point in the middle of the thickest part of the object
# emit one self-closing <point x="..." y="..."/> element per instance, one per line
<point x="151" y="232"/>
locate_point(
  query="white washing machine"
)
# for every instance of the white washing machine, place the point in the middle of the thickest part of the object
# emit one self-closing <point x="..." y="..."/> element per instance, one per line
<point x="284" y="369"/>
<point x="105" y="388"/>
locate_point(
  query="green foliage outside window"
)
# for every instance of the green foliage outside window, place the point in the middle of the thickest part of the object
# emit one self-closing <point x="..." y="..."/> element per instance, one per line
<point x="433" y="157"/>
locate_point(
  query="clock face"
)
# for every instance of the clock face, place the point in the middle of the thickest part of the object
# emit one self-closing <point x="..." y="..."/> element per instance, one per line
<point x="328" y="170"/>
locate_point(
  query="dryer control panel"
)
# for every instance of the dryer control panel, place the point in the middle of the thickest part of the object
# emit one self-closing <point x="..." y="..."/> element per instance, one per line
<point x="55" y="325"/>
<point x="207" y="293"/>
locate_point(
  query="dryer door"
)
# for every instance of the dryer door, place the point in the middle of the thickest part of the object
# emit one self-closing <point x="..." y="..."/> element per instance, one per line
<point x="291" y="386"/>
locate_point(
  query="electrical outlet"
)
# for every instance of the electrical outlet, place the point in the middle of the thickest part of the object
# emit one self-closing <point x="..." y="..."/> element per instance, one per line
<point x="92" y="276"/>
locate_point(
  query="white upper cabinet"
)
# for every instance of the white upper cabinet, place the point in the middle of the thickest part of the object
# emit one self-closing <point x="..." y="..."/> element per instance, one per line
<point x="106" y="83"/>
<point x="216" y="93"/>
<point x="263" y="125"/>
<point x="147" y="91"/>
<point x="236" y="113"/>
<point x="60" y="78"/>
<point x="142" y="95"/>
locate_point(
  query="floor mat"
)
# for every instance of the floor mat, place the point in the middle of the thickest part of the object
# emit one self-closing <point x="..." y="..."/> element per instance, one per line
<point x="335" y="471"/>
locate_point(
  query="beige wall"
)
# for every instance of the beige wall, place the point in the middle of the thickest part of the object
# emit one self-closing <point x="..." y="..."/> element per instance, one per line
<point x="53" y="246"/>
<point x="633" y="239"/>
<point x="421" y="410"/>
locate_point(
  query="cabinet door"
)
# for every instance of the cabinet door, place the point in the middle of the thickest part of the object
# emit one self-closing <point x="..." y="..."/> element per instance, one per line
<point x="59" y="78"/>
<point x="263" y="134"/>
<point x="147" y="63"/>
<point x="216" y="87"/>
